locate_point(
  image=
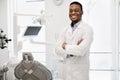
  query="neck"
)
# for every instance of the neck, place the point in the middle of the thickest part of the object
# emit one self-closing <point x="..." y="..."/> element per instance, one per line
<point x="74" y="22"/>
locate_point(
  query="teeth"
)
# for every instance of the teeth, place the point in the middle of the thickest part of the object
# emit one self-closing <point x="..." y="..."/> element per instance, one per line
<point x="73" y="16"/>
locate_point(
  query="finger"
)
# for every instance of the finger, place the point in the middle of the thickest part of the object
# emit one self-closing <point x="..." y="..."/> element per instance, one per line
<point x="79" y="41"/>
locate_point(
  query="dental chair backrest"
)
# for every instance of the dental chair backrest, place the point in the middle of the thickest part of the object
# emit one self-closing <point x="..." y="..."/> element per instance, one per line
<point x="29" y="69"/>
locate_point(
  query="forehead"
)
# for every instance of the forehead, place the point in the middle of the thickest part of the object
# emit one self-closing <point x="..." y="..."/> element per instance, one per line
<point x="74" y="6"/>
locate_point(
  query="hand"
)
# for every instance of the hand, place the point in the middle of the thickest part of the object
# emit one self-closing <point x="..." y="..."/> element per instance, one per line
<point x="79" y="41"/>
<point x="63" y="45"/>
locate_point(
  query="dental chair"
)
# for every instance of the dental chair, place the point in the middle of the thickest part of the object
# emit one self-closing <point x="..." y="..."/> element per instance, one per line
<point x="29" y="69"/>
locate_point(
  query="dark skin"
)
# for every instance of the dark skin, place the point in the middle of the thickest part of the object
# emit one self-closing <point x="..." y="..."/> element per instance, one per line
<point x="75" y="14"/>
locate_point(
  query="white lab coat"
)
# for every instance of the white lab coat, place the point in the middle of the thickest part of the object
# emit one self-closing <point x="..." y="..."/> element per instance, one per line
<point x="76" y="67"/>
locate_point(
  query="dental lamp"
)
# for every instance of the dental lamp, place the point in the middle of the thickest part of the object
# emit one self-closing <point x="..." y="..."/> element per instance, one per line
<point x="40" y="19"/>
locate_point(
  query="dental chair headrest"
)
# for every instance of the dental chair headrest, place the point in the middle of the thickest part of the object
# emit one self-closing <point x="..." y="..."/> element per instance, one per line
<point x="27" y="56"/>
<point x="29" y="69"/>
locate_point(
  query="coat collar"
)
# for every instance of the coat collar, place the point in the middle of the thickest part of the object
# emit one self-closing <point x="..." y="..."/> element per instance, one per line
<point x="70" y="32"/>
<point x="80" y="23"/>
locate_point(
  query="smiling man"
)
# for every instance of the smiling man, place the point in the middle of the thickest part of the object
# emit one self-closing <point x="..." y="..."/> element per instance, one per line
<point x="75" y="12"/>
<point x="74" y="44"/>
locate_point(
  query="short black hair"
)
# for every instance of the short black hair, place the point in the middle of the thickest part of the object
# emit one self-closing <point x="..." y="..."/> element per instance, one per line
<point x="75" y="2"/>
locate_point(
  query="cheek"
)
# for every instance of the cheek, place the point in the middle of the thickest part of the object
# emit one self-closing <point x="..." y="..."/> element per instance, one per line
<point x="69" y="15"/>
<point x="79" y="15"/>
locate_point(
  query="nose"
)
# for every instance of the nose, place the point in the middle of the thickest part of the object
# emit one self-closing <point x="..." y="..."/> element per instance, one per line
<point x="73" y="12"/>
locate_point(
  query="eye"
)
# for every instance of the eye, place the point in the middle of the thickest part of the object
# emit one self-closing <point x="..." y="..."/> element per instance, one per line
<point x="71" y="11"/>
<point x="74" y="10"/>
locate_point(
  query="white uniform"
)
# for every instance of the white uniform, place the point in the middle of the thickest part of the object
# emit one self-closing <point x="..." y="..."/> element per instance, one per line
<point x="77" y="66"/>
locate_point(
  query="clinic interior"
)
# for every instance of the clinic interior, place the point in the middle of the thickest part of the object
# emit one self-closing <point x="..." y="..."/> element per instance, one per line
<point x="17" y="15"/>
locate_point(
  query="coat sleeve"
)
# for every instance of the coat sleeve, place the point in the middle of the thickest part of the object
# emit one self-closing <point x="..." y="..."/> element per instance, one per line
<point x="83" y="47"/>
<point x="58" y="49"/>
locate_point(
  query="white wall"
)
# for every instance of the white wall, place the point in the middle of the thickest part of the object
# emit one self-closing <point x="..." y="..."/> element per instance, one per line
<point x="57" y="18"/>
<point x="4" y="55"/>
<point x="3" y="15"/>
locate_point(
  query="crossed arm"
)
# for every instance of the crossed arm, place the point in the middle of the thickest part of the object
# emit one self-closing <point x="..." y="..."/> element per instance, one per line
<point x="78" y="42"/>
<point x="82" y="46"/>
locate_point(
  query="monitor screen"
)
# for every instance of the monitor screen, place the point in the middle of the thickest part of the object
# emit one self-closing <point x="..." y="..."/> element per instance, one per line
<point x="32" y="30"/>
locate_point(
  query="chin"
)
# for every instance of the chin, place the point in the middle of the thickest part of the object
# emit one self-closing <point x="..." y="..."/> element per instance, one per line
<point x="75" y="21"/>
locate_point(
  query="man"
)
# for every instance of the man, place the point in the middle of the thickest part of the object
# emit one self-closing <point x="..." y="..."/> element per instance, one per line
<point x="73" y="45"/>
